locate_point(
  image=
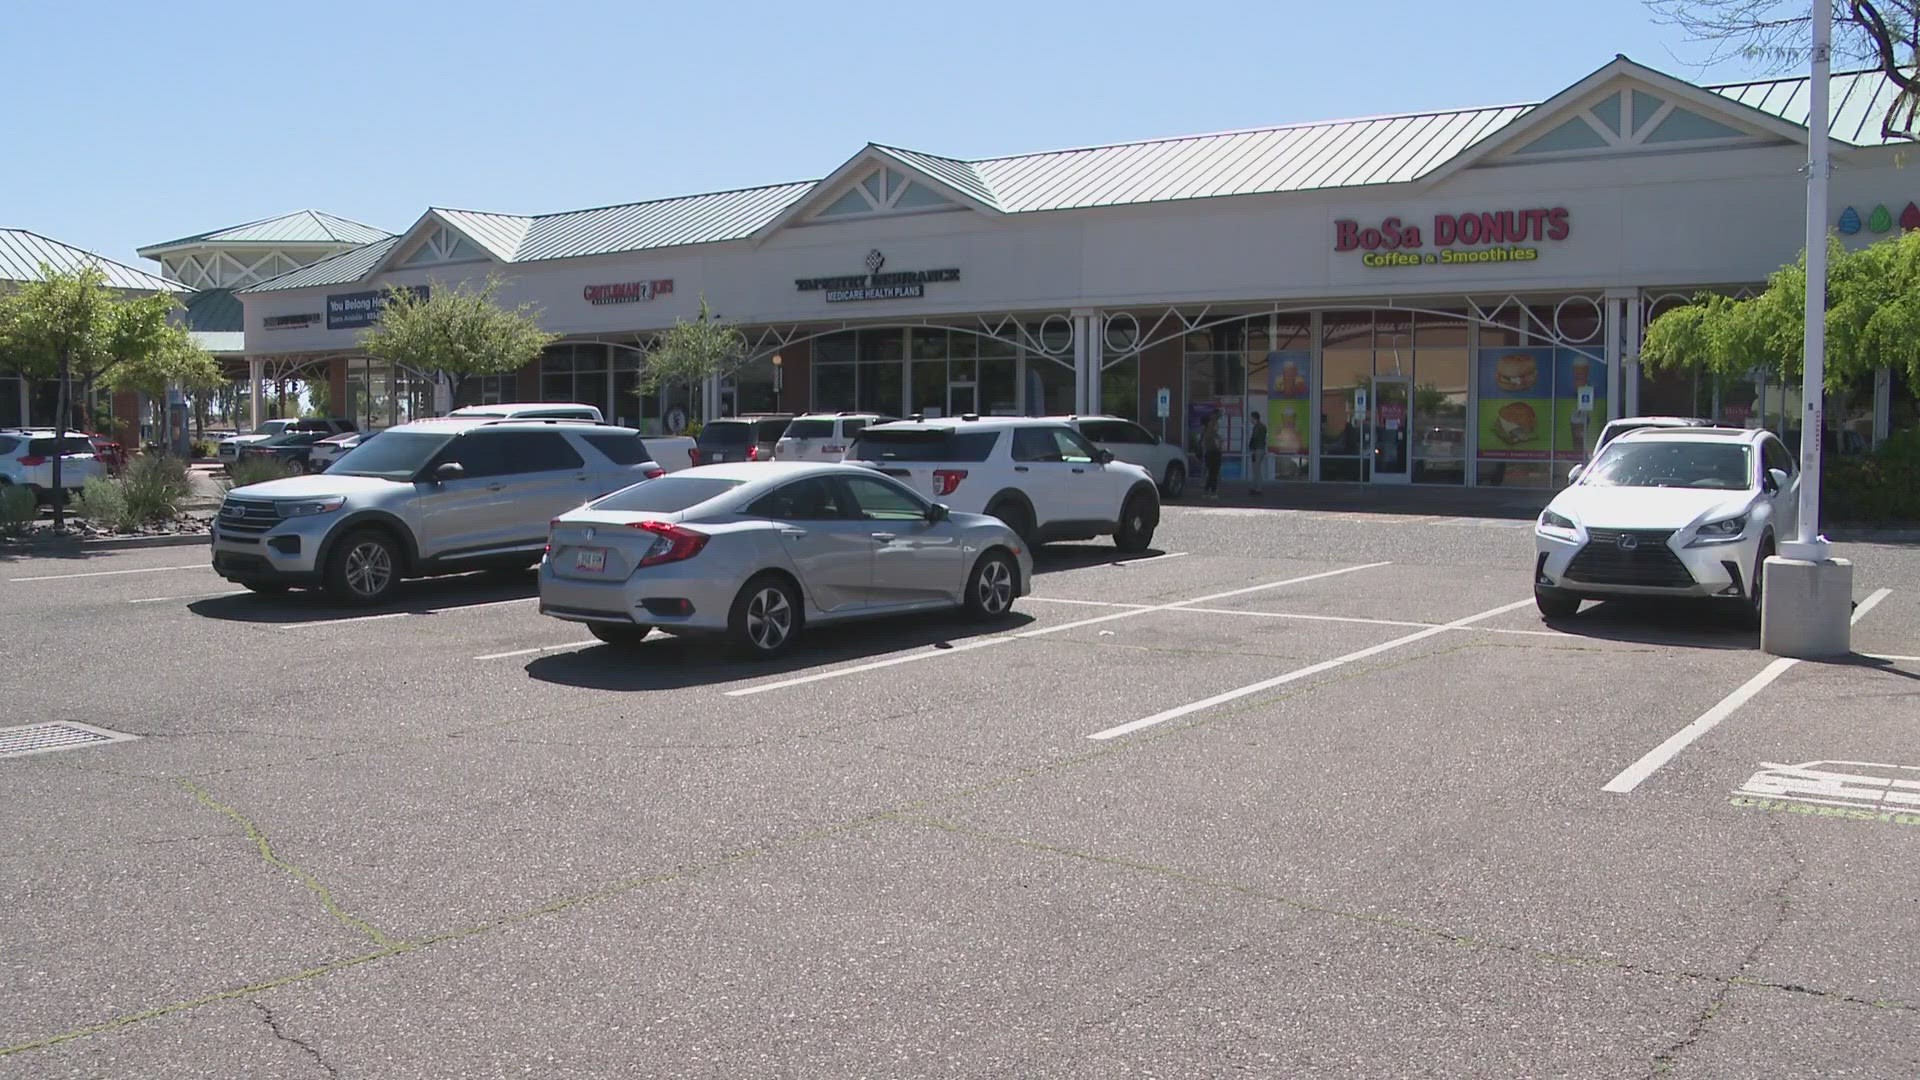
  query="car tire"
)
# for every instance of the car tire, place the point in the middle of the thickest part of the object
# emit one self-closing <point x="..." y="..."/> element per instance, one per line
<point x="266" y="588"/>
<point x="300" y="467"/>
<point x="1015" y="517"/>
<point x="1138" y="518"/>
<point x="1750" y="608"/>
<point x="363" y="568"/>
<point x="991" y="587"/>
<point x="1555" y="603"/>
<point x="765" y="617"/>
<point x="1174" y="484"/>
<point x="625" y="637"/>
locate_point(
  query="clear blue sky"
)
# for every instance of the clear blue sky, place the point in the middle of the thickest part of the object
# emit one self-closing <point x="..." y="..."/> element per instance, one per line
<point x="129" y="124"/>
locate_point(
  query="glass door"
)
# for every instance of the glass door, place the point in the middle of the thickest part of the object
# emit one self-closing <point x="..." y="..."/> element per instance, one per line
<point x="962" y="399"/>
<point x="1392" y="415"/>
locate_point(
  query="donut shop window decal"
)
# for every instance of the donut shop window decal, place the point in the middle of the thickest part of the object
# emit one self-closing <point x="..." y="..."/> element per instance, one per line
<point x="1474" y="238"/>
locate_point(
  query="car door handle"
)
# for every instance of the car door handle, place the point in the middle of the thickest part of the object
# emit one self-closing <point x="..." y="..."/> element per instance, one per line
<point x="1019" y="468"/>
<point x="1078" y="469"/>
<point x="496" y="487"/>
<point x="885" y="538"/>
<point x="793" y="534"/>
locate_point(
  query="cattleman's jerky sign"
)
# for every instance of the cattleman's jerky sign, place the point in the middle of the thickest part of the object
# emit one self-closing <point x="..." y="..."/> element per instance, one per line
<point x="875" y="285"/>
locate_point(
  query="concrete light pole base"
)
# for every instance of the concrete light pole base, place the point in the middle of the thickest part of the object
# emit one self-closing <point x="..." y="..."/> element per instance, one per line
<point x="1806" y="608"/>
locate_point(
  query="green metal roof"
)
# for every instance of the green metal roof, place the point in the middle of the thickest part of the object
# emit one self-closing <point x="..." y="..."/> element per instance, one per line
<point x="298" y="227"/>
<point x="214" y="310"/>
<point x="22" y="253"/>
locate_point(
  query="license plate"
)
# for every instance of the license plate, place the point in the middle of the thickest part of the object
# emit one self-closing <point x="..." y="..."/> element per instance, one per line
<point x="717" y="458"/>
<point x="592" y="559"/>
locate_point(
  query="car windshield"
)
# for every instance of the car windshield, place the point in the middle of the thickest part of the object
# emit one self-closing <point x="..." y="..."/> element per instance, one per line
<point x="395" y="455"/>
<point x="666" y="495"/>
<point x="1673" y="463"/>
<point x="723" y="433"/>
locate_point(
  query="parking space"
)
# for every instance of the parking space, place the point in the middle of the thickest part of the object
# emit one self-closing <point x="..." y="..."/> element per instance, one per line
<point x="1320" y="776"/>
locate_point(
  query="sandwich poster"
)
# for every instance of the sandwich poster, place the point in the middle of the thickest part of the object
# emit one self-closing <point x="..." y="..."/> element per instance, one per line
<point x="1529" y="404"/>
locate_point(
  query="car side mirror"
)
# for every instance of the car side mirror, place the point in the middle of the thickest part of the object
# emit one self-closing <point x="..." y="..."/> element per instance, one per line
<point x="1104" y="457"/>
<point x="937" y="513"/>
<point x="449" y="470"/>
<point x="1574" y="474"/>
<point x="1777" y="480"/>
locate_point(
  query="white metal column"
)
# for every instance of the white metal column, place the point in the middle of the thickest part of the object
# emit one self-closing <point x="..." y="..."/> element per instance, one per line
<point x="1078" y="320"/>
<point x="1610" y="322"/>
<point x="1096" y="361"/>
<point x="254" y="366"/>
<point x="1630" y="363"/>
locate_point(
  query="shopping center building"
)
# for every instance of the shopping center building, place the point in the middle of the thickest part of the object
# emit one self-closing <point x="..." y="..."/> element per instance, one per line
<point x="1449" y="298"/>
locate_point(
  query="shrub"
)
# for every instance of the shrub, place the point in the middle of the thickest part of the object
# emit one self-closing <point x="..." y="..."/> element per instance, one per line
<point x="103" y="501"/>
<point x="17" y="508"/>
<point x="205" y="448"/>
<point x="155" y="487"/>
<point x="257" y="471"/>
<point x="1880" y="488"/>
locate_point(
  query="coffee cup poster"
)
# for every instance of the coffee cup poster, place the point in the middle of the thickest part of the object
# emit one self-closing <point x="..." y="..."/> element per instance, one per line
<point x="1289" y="423"/>
<point x="1529" y="404"/>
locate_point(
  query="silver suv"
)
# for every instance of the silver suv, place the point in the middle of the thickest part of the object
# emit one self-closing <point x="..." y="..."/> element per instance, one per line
<point x="433" y="497"/>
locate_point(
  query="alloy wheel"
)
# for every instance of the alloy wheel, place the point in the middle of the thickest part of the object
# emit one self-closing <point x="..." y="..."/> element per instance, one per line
<point x="994" y="588"/>
<point x="769" y="619"/>
<point x="369" y="568"/>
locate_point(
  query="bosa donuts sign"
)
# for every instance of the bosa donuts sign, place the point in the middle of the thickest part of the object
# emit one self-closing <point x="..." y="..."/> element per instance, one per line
<point x="1487" y="236"/>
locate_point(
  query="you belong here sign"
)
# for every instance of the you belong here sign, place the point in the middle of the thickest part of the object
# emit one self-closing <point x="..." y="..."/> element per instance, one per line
<point x="348" y="311"/>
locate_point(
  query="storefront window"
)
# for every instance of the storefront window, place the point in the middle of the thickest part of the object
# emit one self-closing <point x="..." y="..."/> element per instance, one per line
<point x="1532" y="426"/>
<point x="751" y="387"/>
<point x="1120" y="387"/>
<point x="1216" y="384"/>
<point x="1346" y="377"/>
<point x="1049" y="386"/>
<point x="835" y="386"/>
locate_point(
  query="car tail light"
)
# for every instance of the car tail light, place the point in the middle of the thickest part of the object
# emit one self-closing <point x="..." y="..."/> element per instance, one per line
<point x="693" y="456"/>
<point x="753" y="452"/>
<point x="671" y="544"/>
<point x="35" y="460"/>
<point x="655" y="473"/>
<point x="946" y="480"/>
<point x="833" y="449"/>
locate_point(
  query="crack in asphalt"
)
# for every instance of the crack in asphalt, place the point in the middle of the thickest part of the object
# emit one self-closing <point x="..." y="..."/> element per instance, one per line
<point x="273" y="1024"/>
<point x="905" y="814"/>
<point x="1664" y="1061"/>
<point x="305" y="877"/>
<point x="1725" y="983"/>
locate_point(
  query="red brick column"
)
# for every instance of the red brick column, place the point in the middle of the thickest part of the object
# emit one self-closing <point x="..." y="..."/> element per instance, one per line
<point x="337" y="403"/>
<point x="124" y="426"/>
<point x="1163" y="365"/>
<point x="796" y="366"/>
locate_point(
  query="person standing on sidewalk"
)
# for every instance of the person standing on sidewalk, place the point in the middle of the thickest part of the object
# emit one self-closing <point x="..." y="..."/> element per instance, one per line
<point x="1257" y="452"/>
<point x="1210" y="454"/>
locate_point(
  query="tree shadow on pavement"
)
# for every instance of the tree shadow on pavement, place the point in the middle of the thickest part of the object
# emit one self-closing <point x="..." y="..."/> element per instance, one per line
<point x="665" y="662"/>
<point x="1677" y="623"/>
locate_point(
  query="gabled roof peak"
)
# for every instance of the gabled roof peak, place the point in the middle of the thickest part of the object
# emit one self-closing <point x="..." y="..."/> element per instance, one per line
<point x="294" y="227"/>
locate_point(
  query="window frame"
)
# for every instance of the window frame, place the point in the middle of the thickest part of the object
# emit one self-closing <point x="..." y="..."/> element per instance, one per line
<point x="888" y="484"/>
<point x="758" y="508"/>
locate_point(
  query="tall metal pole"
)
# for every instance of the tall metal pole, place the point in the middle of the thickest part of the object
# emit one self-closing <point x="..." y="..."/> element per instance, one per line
<point x="1808" y="543"/>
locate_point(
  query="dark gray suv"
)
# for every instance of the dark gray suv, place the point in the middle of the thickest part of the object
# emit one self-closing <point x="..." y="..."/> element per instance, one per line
<point x="434" y="497"/>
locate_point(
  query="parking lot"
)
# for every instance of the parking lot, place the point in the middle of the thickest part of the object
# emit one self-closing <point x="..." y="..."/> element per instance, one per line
<point x="1295" y="793"/>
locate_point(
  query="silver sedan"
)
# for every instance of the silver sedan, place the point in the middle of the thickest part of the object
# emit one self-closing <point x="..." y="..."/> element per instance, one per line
<point x="755" y="552"/>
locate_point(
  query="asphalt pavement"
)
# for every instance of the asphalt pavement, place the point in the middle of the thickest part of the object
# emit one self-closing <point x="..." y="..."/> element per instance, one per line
<point x="1299" y="793"/>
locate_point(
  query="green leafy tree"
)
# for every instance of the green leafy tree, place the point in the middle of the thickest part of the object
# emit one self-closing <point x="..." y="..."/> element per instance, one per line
<point x="455" y="333"/>
<point x="1873" y="319"/>
<point x="69" y="325"/>
<point x="171" y="360"/>
<point x="692" y="351"/>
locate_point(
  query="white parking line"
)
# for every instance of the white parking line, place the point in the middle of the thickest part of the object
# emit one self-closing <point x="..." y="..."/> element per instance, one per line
<point x="114" y="573"/>
<point x="188" y="596"/>
<point x="448" y="610"/>
<point x="354" y="619"/>
<point x="539" y="649"/>
<point x="978" y="643"/>
<point x="1309" y="618"/>
<point x="1635" y="774"/>
<point x="1124" y="563"/>
<point x="1299" y="673"/>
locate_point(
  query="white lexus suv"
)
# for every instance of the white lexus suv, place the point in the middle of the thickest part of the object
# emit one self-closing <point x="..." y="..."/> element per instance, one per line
<point x="1040" y="477"/>
<point x="1687" y="512"/>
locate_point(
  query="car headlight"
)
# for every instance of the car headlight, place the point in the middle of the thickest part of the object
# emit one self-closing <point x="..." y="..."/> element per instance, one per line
<point x="1725" y="531"/>
<point x="309" y="507"/>
<point x="1551" y="522"/>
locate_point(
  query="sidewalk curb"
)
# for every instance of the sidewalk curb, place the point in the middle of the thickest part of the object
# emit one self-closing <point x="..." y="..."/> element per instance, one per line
<point x="110" y="543"/>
